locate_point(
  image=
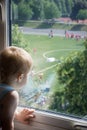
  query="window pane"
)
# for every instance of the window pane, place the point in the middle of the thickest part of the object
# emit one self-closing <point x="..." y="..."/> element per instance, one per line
<point x="54" y="33"/>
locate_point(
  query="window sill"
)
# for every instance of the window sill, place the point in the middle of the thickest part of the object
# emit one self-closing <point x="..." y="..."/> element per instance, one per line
<point x="48" y="121"/>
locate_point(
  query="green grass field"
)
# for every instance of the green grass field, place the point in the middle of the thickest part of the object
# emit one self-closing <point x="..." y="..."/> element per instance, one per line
<point x="56" y="47"/>
<point x="42" y="49"/>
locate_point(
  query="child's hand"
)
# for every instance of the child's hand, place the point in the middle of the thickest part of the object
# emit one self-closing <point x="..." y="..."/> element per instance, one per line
<point x="24" y="115"/>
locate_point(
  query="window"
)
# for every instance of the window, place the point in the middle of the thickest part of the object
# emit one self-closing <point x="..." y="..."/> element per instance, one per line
<point x="0" y="12"/>
<point x="53" y="33"/>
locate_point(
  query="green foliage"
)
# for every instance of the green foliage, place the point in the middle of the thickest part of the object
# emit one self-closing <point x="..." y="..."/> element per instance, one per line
<point x="47" y="9"/>
<point x="57" y="101"/>
<point x="51" y="10"/>
<point x="68" y="4"/>
<point x="37" y="8"/>
<point x="24" y="11"/>
<point x="85" y="44"/>
<point x="14" y="12"/>
<point x="18" y="38"/>
<point x="79" y="4"/>
<point x="16" y="1"/>
<point x="72" y="73"/>
<point x="82" y="14"/>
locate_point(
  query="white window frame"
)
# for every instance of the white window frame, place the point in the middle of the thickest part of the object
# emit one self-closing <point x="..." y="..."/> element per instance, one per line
<point x="50" y="121"/>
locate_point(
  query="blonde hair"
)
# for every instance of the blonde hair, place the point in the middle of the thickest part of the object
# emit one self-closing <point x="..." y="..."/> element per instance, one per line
<point x="13" y="60"/>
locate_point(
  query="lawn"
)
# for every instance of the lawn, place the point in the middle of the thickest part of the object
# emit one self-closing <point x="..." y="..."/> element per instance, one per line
<point x="43" y="47"/>
<point x="46" y="53"/>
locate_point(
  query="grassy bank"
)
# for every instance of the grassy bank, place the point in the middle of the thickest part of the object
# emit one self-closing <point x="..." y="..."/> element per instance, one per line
<point x="55" y="25"/>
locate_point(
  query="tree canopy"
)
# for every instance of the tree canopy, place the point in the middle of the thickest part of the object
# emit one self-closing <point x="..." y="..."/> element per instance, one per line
<point x="79" y="5"/>
<point x="82" y="14"/>
<point x="48" y="9"/>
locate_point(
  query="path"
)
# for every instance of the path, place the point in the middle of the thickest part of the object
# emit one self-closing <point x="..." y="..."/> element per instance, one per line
<point x="56" y="32"/>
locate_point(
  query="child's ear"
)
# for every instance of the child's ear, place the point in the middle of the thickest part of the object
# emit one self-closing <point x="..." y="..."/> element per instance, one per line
<point x="20" y="77"/>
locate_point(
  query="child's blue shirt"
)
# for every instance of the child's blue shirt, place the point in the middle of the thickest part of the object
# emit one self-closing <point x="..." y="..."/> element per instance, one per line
<point x="5" y="90"/>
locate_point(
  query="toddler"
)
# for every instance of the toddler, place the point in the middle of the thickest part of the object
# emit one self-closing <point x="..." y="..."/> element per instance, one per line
<point x="15" y="64"/>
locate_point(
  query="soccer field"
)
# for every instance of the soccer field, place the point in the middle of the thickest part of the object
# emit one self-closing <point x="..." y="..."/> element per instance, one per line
<point x="47" y="53"/>
<point x="45" y="49"/>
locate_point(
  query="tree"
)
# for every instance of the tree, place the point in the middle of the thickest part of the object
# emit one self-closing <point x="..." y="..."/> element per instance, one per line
<point x="14" y="11"/>
<point x="16" y="1"/>
<point x="47" y="9"/>
<point x="82" y="14"/>
<point x="64" y="12"/>
<point x="38" y="9"/>
<point x="65" y="6"/>
<point x="51" y="10"/>
<point x="42" y="15"/>
<point x="69" y="4"/>
<point x="24" y="11"/>
<point x="58" y="3"/>
<point x="78" y="6"/>
<point x="72" y="73"/>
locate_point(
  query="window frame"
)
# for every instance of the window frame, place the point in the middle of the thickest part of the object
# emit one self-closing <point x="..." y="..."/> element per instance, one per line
<point x="43" y="120"/>
<point x="49" y="121"/>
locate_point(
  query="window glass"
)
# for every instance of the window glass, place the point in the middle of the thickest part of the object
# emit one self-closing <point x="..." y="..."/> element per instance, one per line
<point x="54" y="32"/>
